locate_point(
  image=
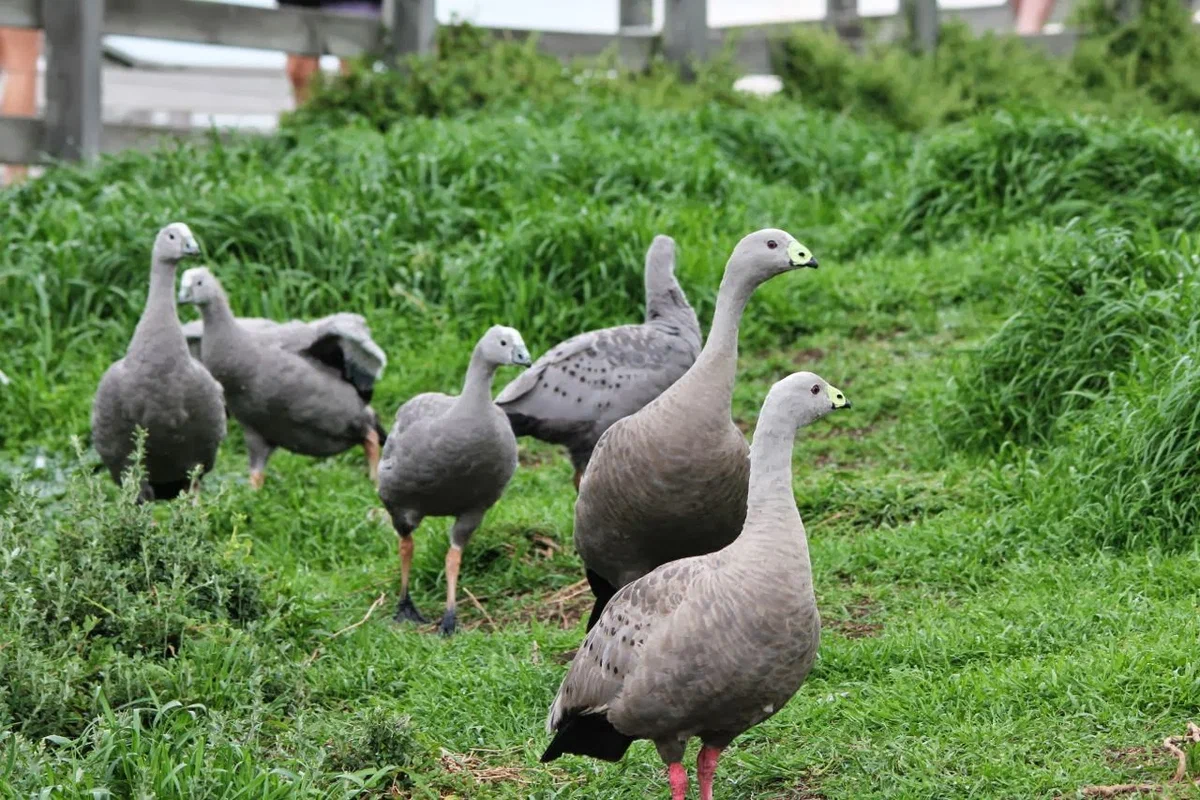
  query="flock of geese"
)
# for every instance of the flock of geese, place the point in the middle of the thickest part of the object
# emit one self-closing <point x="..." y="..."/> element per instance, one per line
<point x="704" y="623"/>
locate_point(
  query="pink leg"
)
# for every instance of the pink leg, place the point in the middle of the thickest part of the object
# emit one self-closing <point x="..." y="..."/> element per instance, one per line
<point x="706" y="769"/>
<point x="678" y="777"/>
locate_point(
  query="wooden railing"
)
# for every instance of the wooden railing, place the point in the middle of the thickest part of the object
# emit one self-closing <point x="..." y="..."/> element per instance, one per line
<point x="72" y="127"/>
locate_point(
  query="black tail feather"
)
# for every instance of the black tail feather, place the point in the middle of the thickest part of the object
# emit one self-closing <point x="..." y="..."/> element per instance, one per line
<point x="380" y="431"/>
<point x="588" y="735"/>
<point x="604" y="591"/>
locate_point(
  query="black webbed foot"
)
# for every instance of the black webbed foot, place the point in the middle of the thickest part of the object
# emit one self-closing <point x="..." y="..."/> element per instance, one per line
<point x="407" y="612"/>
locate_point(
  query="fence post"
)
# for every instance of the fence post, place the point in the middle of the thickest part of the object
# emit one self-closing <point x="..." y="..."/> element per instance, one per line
<point x="413" y="26"/>
<point x="924" y="26"/>
<point x="843" y="16"/>
<point x="685" y="33"/>
<point x="635" y="14"/>
<point x="73" y="54"/>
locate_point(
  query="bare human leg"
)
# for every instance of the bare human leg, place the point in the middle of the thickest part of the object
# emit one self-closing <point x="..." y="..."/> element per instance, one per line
<point x="300" y="70"/>
<point x="18" y="61"/>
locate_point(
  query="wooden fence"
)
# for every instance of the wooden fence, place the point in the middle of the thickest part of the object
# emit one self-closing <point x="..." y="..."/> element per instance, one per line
<point x="72" y="127"/>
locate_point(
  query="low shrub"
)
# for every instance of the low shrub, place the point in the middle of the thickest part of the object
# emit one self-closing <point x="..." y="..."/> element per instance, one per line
<point x="1084" y="311"/>
<point x="89" y="578"/>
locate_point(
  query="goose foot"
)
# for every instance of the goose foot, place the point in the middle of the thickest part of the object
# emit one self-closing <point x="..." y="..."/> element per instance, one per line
<point x="257" y="479"/>
<point x="449" y="623"/>
<point x="407" y="612"/>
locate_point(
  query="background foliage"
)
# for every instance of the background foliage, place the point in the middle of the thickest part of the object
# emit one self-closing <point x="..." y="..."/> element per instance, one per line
<point x="1003" y="529"/>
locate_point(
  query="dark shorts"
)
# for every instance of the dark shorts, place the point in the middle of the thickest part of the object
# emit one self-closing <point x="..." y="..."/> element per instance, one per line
<point x="362" y="7"/>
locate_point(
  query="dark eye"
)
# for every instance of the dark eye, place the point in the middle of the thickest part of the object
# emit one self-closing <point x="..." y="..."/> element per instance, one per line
<point x="504" y="343"/>
<point x="816" y="388"/>
<point x="771" y="243"/>
<point x="171" y="236"/>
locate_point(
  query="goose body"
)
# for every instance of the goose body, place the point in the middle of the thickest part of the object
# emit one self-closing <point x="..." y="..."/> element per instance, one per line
<point x="158" y="387"/>
<point x="572" y="394"/>
<point x="450" y="456"/>
<point x="712" y="645"/>
<point x="670" y="480"/>
<point x="293" y="393"/>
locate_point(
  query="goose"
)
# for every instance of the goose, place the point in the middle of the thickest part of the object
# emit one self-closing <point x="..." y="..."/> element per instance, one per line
<point x="450" y="456"/>
<point x="573" y="393"/>
<point x="710" y="645"/>
<point x="306" y="397"/>
<point x="158" y="387"/>
<point x="669" y="480"/>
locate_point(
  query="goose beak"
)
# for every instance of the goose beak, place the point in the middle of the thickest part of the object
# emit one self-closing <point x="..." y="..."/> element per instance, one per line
<point x="839" y="399"/>
<point x="520" y="357"/>
<point x="798" y="256"/>
<point x="190" y="247"/>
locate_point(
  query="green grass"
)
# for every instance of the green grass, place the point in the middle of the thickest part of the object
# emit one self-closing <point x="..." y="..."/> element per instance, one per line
<point x="1003" y="528"/>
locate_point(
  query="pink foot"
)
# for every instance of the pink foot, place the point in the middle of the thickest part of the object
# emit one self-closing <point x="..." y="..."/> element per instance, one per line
<point x="706" y="770"/>
<point x="678" y="777"/>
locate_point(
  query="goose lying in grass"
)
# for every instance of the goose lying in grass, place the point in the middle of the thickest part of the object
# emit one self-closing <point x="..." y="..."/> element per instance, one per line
<point x="573" y="393"/>
<point x="450" y="457"/>
<point x="157" y="387"/>
<point x="712" y="645"/>
<point x="669" y="481"/>
<point x="291" y="386"/>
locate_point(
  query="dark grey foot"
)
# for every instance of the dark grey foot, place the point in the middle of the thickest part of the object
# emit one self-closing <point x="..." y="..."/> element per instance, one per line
<point x="407" y="612"/>
<point x="449" y="622"/>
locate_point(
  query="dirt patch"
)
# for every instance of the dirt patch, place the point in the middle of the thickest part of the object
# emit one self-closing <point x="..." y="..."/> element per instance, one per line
<point x="855" y="625"/>
<point x="563" y="607"/>
<point x="1173" y="746"/>
<point x="805" y="789"/>
<point x="540" y="457"/>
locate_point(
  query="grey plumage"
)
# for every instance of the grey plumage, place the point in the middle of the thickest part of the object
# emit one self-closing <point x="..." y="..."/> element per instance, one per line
<point x="342" y="340"/>
<point x="159" y="388"/>
<point x="670" y="480"/>
<point x="450" y="456"/>
<point x="573" y="393"/>
<point x="711" y="645"/>
<point x="288" y="385"/>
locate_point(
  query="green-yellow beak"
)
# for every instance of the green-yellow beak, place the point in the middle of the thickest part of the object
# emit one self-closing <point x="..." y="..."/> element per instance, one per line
<point x="799" y="256"/>
<point x="838" y="398"/>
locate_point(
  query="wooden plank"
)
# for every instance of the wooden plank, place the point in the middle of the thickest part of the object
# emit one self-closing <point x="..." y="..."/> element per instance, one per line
<point x="292" y="30"/>
<point x="21" y="138"/>
<point x="73" y="56"/>
<point x="633" y="48"/>
<point x="685" y="32"/>
<point x="413" y="26"/>
<point x="21" y="13"/>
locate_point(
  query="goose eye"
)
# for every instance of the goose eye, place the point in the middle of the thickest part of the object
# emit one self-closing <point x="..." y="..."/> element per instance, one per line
<point x="816" y="388"/>
<point x="171" y="236"/>
<point x="771" y="243"/>
<point x="503" y="343"/>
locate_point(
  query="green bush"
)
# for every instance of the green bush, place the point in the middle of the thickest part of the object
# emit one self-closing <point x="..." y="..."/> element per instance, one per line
<point x="87" y="578"/>
<point x="473" y="69"/>
<point x="1005" y="169"/>
<point x="1084" y="312"/>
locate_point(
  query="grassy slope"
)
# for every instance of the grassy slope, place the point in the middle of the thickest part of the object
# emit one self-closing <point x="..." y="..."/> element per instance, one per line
<point x="964" y="653"/>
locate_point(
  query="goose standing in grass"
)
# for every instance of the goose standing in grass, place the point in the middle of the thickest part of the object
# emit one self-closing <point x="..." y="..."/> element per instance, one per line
<point x="711" y="645"/>
<point x="159" y="388"/>
<point x="450" y="457"/>
<point x="571" y="395"/>
<point x="669" y="481"/>
<point x="304" y="398"/>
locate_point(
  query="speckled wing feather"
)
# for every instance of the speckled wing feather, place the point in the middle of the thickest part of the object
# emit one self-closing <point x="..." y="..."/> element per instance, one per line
<point x="598" y="376"/>
<point x="611" y="654"/>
